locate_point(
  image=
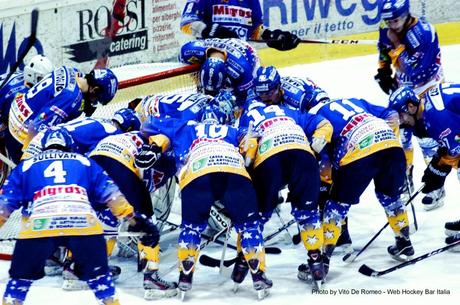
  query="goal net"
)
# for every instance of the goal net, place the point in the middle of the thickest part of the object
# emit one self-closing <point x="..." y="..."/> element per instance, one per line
<point x="135" y="81"/>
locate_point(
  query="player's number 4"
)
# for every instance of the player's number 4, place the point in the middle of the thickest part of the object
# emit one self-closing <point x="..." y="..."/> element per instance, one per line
<point x="56" y="170"/>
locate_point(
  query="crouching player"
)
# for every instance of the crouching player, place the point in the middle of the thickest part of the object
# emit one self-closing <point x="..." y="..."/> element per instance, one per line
<point x="59" y="192"/>
<point x="212" y="169"/>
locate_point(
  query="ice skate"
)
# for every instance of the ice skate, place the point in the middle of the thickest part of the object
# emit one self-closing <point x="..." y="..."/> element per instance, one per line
<point x="434" y="199"/>
<point x="452" y="228"/>
<point x="315" y="264"/>
<point x="453" y="239"/>
<point x="70" y="281"/>
<point x="240" y="270"/>
<point x="261" y="284"/>
<point x="402" y="250"/>
<point x="186" y="277"/>
<point x="156" y="287"/>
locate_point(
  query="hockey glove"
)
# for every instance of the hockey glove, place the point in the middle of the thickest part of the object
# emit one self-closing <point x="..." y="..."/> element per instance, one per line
<point x="385" y="81"/>
<point x="148" y="155"/>
<point x="435" y="174"/>
<point x="280" y="40"/>
<point x="141" y="223"/>
<point x="218" y="31"/>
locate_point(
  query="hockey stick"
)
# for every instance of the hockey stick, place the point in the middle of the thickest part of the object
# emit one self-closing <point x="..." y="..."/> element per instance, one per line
<point x="268" y="250"/>
<point x="115" y="234"/>
<point x="368" y="271"/>
<point x="351" y="257"/>
<point x="331" y="41"/>
<point x="30" y="44"/>
<point x="206" y="260"/>
<point x="7" y="161"/>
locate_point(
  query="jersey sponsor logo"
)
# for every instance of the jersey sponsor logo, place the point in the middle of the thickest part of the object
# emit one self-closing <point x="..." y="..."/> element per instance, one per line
<point x="60" y="79"/>
<point x="59" y="189"/>
<point x="58" y="111"/>
<point x="355" y="121"/>
<point x="22" y="106"/>
<point x="231" y="11"/>
<point x="445" y="133"/>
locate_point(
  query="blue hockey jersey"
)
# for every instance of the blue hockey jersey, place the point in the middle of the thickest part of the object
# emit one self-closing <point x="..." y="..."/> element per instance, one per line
<point x="199" y="148"/>
<point x="281" y="128"/>
<point x="14" y="86"/>
<point x="55" y="99"/>
<point x="357" y="132"/>
<point x="179" y="106"/>
<point x="58" y="193"/>
<point x="86" y="132"/>
<point x="244" y="17"/>
<point x="442" y="116"/>
<point x="418" y="60"/>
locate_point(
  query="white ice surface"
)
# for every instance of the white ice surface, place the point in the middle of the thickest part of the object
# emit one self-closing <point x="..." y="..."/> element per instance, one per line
<point x="341" y="78"/>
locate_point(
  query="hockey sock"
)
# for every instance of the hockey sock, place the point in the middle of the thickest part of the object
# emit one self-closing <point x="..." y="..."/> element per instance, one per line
<point x="311" y="231"/>
<point x="189" y="243"/>
<point x="396" y="213"/>
<point x="151" y="255"/>
<point x="252" y="245"/>
<point x="107" y="295"/>
<point x="16" y="291"/>
<point x="334" y="213"/>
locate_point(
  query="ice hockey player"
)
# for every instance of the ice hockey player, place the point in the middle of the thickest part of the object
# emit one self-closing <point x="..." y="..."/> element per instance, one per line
<point x="438" y="114"/>
<point x="225" y="64"/>
<point x="409" y="46"/>
<point x="59" y="97"/>
<point x="47" y="187"/>
<point x="20" y="82"/>
<point x="363" y="148"/>
<point x="86" y="132"/>
<point x="212" y="168"/>
<point x="233" y="19"/>
<point x="295" y="92"/>
<point x="286" y="158"/>
<point x="184" y="106"/>
<point x="117" y="156"/>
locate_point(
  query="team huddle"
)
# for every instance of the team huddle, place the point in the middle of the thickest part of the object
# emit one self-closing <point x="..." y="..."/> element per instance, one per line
<point x="245" y="135"/>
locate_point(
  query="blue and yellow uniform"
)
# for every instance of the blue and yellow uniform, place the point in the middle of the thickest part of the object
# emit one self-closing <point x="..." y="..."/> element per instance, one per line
<point x="364" y="148"/>
<point x="57" y="98"/>
<point x="211" y="168"/>
<point x="59" y="192"/>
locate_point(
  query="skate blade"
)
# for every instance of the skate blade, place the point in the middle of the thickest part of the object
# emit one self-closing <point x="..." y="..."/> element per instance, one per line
<point x="263" y="293"/>
<point x="455" y="249"/>
<point x="151" y="294"/>
<point x="53" y="270"/>
<point x="74" y="285"/>
<point x="430" y="207"/>
<point x="235" y="288"/>
<point x="402" y="258"/>
<point x="318" y="284"/>
<point x="344" y="249"/>
<point x="451" y="232"/>
<point x="182" y="295"/>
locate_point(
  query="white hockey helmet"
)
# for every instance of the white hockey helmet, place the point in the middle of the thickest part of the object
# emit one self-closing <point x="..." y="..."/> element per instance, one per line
<point x="37" y="68"/>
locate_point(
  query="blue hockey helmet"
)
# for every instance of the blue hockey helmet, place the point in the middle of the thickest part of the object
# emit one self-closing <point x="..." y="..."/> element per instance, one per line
<point x="57" y="138"/>
<point x="104" y="85"/>
<point x="266" y="80"/>
<point x="212" y="75"/>
<point x="127" y="119"/>
<point x="213" y="115"/>
<point x="313" y="98"/>
<point x="226" y="102"/>
<point x="401" y="97"/>
<point x="392" y="9"/>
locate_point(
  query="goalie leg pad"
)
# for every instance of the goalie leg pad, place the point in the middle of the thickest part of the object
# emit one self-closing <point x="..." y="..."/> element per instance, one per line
<point x="16" y="291"/>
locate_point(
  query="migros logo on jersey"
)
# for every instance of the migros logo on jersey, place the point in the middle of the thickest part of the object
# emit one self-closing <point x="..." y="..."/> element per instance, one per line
<point x="231" y="11"/>
<point x="61" y="189"/>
